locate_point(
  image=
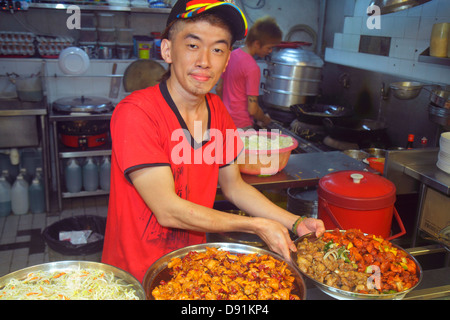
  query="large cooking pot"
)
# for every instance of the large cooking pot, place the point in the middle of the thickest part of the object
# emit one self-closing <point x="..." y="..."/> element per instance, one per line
<point x="303" y="201"/>
<point x="291" y="76"/>
<point x="316" y="113"/>
<point x="353" y="129"/>
<point x="82" y="104"/>
<point x="358" y="200"/>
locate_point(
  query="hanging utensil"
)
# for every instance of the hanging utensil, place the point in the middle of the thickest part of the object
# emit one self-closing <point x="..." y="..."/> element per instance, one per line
<point x="390" y="6"/>
<point x="141" y="74"/>
<point x="115" y="84"/>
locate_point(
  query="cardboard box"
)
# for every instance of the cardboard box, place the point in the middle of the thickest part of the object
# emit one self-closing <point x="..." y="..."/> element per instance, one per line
<point x="435" y="213"/>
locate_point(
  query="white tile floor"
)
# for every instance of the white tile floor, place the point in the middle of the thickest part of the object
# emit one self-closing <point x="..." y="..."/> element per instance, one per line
<point x="21" y="244"/>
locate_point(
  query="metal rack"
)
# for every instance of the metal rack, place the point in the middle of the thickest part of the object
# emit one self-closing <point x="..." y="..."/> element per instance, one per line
<point x="64" y="153"/>
<point x="63" y="6"/>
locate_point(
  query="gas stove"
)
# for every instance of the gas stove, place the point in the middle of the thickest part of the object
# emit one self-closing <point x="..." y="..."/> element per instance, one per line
<point x="313" y="137"/>
<point x="305" y="143"/>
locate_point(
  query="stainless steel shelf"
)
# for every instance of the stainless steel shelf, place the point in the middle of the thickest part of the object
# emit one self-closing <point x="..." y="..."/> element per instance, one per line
<point x="63" y="6"/>
<point x="425" y="57"/>
<point x="84" y="194"/>
<point x="84" y="154"/>
<point x="61" y="152"/>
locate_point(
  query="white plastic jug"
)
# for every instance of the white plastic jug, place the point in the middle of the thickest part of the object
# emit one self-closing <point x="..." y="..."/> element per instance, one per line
<point x="105" y="173"/>
<point x="5" y="196"/>
<point x="20" y="202"/>
<point x="90" y="175"/>
<point x="73" y="175"/>
<point x="37" y="196"/>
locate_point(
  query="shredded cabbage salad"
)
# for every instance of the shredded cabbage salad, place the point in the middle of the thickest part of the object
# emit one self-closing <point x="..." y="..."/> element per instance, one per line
<point x="262" y="142"/>
<point x="83" y="284"/>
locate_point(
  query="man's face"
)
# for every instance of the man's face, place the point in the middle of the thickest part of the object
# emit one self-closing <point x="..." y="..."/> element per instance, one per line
<point x="265" y="50"/>
<point x="198" y="53"/>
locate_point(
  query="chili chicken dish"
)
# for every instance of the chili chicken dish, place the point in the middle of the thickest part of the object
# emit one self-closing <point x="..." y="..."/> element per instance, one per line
<point x="356" y="262"/>
<point x="220" y="275"/>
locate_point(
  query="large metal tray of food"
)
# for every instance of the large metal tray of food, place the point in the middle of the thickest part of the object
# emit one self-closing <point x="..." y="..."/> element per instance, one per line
<point x="341" y="294"/>
<point x="74" y="277"/>
<point x="159" y="271"/>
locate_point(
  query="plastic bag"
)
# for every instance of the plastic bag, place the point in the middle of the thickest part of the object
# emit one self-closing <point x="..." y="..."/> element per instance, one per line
<point x="95" y="224"/>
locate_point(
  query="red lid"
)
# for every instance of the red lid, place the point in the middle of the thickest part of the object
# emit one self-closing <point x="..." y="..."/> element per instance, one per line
<point x="358" y="190"/>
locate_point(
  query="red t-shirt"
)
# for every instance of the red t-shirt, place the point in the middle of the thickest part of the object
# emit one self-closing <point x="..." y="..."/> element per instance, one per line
<point x="147" y="130"/>
<point x="240" y="80"/>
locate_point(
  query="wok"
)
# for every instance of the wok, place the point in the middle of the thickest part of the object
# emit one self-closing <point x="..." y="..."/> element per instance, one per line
<point x="315" y="113"/>
<point x="354" y="130"/>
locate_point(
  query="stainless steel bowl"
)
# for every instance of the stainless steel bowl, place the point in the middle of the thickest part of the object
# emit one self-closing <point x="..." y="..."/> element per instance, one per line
<point x="76" y="265"/>
<point x="348" y="295"/>
<point x="406" y="90"/>
<point x="439" y="115"/>
<point x="376" y="152"/>
<point x="440" y="98"/>
<point x="159" y="271"/>
<point x="357" y="154"/>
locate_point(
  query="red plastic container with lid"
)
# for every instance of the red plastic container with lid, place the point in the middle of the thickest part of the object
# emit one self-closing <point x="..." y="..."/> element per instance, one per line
<point x="358" y="199"/>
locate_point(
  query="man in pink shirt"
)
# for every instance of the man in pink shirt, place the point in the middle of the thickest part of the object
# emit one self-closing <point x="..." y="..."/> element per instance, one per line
<point x="239" y="85"/>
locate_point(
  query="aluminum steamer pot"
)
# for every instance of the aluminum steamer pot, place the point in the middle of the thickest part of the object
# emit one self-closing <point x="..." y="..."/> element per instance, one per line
<point x="159" y="271"/>
<point x="292" y="75"/>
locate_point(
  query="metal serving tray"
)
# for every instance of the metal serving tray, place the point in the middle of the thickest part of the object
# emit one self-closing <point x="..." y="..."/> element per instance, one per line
<point x="158" y="271"/>
<point x="76" y="265"/>
<point x="348" y="295"/>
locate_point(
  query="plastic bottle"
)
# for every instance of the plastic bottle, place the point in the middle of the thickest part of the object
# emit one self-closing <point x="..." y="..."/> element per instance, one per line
<point x="28" y="178"/>
<point x="14" y="168"/>
<point x="90" y="175"/>
<point x="105" y="173"/>
<point x="39" y="174"/>
<point x="410" y="143"/>
<point x="74" y="178"/>
<point x="5" y="195"/>
<point x="20" y="202"/>
<point x="37" y="197"/>
<point x="423" y="142"/>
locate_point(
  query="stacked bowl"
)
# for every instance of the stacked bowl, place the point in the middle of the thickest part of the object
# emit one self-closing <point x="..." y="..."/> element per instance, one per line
<point x="444" y="152"/>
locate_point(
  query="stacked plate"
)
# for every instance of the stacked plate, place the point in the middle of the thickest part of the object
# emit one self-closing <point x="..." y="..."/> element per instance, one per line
<point x="444" y="152"/>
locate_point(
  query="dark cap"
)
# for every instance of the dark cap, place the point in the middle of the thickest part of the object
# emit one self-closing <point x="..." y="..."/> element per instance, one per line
<point x="185" y="9"/>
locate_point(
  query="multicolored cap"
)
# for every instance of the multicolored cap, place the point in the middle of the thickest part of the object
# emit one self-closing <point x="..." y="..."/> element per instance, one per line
<point x="185" y="9"/>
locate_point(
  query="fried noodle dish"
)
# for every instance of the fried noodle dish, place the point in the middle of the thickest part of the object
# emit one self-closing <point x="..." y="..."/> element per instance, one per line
<point x="355" y="262"/>
<point x="220" y="275"/>
<point x="83" y="284"/>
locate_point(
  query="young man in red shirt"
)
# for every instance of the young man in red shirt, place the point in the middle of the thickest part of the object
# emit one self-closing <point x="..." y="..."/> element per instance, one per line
<point x="175" y="142"/>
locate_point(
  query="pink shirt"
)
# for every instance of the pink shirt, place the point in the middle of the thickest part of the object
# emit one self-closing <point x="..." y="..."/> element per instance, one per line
<point x="240" y="80"/>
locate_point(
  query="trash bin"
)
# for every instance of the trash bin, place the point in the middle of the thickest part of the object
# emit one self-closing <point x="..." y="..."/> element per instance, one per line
<point x="65" y="250"/>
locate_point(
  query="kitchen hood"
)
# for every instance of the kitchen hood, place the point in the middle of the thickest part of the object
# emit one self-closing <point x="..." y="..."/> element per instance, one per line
<point x="390" y="6"/>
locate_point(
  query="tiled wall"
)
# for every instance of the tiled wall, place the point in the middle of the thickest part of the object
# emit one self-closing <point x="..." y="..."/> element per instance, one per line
<point x="410" y="31"/>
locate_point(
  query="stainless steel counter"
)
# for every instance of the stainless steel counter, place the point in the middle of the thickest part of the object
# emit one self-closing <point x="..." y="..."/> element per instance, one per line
<point x="306" y="169"/>
<point x="407" y="169"/>
<point x="15" y="107"/>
